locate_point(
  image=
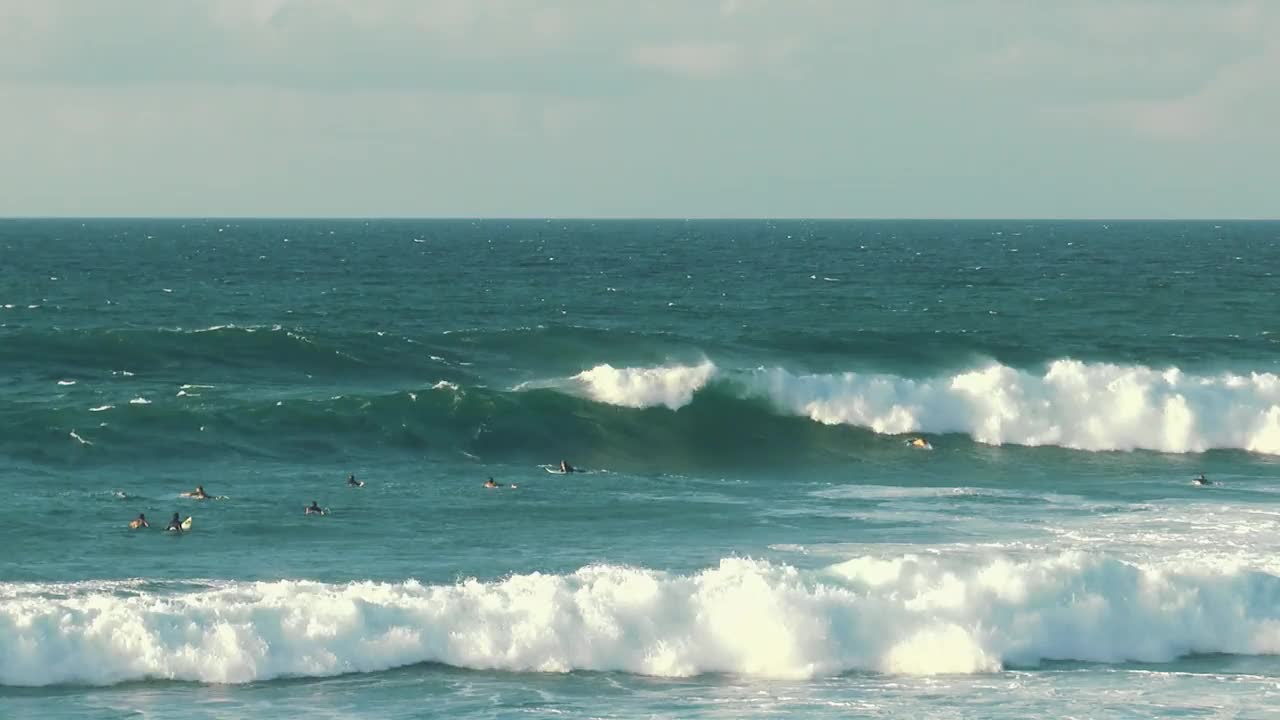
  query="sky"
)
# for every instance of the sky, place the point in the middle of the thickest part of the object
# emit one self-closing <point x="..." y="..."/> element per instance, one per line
<point x="622" y="108"/>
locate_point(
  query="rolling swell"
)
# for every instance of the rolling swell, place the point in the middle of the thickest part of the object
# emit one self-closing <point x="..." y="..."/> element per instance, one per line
<point x="225" y="351"/>
<point x="443" y="420"/>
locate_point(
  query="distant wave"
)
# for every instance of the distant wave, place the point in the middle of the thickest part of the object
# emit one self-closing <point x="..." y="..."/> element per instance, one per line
<point x="906" y="614"/>
<point x="698" y="415"/>
<point x="1086" y="406"/>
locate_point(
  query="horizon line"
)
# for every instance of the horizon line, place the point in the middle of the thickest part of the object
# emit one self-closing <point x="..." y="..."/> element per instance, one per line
<point x="624" y="218"/>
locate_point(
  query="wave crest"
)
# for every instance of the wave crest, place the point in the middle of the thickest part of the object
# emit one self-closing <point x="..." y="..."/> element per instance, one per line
<point x="1073" y="404"/>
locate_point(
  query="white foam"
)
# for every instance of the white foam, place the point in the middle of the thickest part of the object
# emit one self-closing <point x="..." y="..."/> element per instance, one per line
<point x="443" y="385"/>
<point x="79" y="439"/>
<point x="66" y="382"/>
<point x="669" y="385"/>
<point x="1073" y="404"/>
<point x="902" y="614"/>
<point x="1088" y="406"/>
<point x="139" y="401"/>
<point x="101" y="408"/>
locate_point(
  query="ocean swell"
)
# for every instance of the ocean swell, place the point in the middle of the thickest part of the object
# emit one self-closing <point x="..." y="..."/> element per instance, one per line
<point x="899" y="615"/>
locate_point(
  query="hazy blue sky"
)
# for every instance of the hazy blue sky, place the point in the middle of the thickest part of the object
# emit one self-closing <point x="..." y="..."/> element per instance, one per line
<point x="693" y="108"/>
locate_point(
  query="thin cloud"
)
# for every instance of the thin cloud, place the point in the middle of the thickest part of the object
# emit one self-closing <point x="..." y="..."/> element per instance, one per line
<point x="696" y="59"/>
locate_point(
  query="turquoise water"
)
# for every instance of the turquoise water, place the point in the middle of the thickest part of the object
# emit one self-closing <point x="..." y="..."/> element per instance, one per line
<point x="752" y="536"/>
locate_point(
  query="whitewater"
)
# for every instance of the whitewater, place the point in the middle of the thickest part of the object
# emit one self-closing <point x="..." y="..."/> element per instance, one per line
<point x="906" y="615"/>
<point x="754" y="531"/>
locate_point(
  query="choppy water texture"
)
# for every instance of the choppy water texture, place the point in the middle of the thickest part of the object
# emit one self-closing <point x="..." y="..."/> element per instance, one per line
<point x="753" y="534"/>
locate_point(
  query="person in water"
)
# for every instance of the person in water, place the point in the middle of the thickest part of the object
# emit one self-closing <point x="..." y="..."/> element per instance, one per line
<point x="353" y="482"/>
<point x="315" y="509"/>
<point x="139" y="522"/>
<point x="490" y="483"/>
<point x="198" y="493"/>
<point x="565" y="467"/>
<point x="1202" y="480"/>
<point x="175" y="524"/>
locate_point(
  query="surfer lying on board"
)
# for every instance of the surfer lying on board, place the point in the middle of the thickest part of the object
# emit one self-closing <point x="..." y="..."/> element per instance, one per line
<point x="565" y="467"/>
<point x="198" y="493"/>
<point x="175" y="524"/>
<point x="315" y="509"/>
<point x="490" y="483"/>
<point x="353" y="482"/>
<point x="920" y="443"/>
<point x="1202" y="480"/>
<point x="139" y="522"/>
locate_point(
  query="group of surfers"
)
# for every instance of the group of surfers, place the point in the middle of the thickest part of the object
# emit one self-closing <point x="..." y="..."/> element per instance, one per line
<point x="141" y="522"/>
<point x="175" y="524"/>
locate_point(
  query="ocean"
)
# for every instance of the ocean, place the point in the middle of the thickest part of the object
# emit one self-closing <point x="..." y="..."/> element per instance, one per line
<point x="752" y="533"/>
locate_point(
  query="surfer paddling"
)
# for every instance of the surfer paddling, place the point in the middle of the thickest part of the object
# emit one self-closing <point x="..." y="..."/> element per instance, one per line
<point x="175" y="525"/>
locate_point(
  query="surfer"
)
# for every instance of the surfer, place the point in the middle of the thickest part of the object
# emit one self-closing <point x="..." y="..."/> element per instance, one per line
<point x="565" y="467"/>
<point x="920" y="443"/>
<point x="315" y="509"/>
<point x="1202" y="480"/>
<point x="198" y="493"/>
<point x="175" y="524"/>
<point x="353" y="482"/>
<point x="139" y="522"/>
<point x="491" y="484"/>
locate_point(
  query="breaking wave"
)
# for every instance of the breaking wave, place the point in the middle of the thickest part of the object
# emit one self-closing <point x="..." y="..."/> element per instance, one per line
<point x="1086" y="406"/>
<point x="909" y="614"/>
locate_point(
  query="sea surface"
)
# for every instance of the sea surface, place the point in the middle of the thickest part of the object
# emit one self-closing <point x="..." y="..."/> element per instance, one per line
<point x="752" y="535"/>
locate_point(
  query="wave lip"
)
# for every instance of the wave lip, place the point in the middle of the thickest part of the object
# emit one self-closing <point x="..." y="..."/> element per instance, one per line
<point x="672" y="386"/>
<point x="898" y="615"/>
